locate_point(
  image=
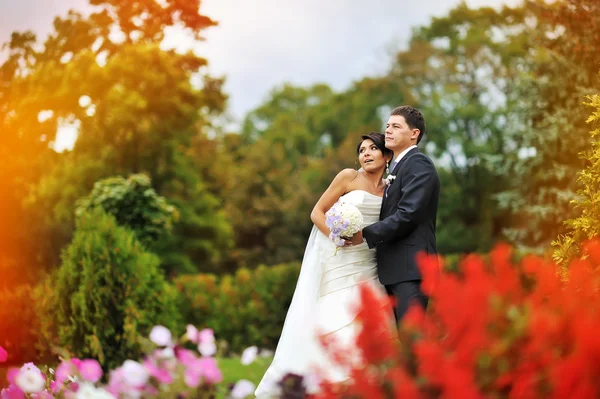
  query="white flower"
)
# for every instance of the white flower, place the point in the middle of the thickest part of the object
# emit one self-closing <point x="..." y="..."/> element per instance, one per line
<point x="242" y="389"/>
<point x="207" y="345"/>
<point x="160" y="335"/>
<point x="343" y="220"/>
<point x="30" y="380"/>
<point x="207" y="348"/>
<point x="104" y="394"/>
<point x="388" y="180"/>
<point x="249" y="355"/>
<point x="166" y="353"/>
<point x="134" y="374"/>
<point x="89" y="391"/>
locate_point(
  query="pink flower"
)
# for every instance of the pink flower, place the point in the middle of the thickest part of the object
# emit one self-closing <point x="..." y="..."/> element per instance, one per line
<point x="12" y="374"/>
<point x="55" y="387"/>
<point x="3" y="355"/>
<point x="186" y="356"/>
<point x="192" y="377"/>
<point x="206" y="334"/>
<point x="162" y="375"/>
<point x="210" y="371"/>
<point x="64" y="370"/>
<point x="90" y="370"/>
<point x="204" y="368"/>
<point x="73" y="387"/>
<point x="192" y="334"/>
<point x="44" y="395"/>
<point x="116" y="383"/>
<point x="12" y="392"/>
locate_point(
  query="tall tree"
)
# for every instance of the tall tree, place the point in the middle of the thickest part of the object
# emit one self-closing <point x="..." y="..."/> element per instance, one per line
<point x="461" y="71"/>
<point x="131" y="119"/>
<point x="289" y="117"/>
<point x="564" y="65"/>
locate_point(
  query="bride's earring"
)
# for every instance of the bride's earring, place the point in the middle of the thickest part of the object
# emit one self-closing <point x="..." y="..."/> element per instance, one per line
<point x="387" y="167"/>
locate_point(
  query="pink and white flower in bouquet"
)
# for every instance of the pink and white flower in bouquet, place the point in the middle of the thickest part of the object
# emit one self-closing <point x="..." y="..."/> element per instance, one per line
<point x="343" y="220"/>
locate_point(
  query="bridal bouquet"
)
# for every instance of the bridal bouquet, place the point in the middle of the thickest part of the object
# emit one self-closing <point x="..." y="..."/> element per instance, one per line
<point x="343" y="220"/>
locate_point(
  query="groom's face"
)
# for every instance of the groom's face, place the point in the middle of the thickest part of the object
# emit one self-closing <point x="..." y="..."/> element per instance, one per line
<point x="398" y="135"/>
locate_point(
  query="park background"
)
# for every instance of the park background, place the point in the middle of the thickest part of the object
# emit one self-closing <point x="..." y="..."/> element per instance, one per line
<point x="141" y="185"/>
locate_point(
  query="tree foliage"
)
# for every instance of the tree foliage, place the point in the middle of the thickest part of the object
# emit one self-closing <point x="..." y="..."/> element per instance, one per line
<point x="587" y="225"/>
<point x="130" y="119"/>
<point x="563" y="70"/>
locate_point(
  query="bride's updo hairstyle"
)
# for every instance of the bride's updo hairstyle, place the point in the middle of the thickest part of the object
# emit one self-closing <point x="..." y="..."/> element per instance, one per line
<point x="378" y="139"/>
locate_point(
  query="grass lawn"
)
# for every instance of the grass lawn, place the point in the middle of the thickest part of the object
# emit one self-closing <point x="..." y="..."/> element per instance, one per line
<point x="234" y="371"/>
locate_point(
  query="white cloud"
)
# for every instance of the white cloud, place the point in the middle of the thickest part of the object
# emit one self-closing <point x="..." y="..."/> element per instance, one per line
<point x="264" y="43"/>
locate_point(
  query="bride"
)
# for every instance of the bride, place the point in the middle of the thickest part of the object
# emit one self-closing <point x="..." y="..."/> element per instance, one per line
<point x="327" y="288"/>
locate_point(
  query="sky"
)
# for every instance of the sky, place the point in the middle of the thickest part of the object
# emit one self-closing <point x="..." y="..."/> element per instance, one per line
<point x="261" y="44"/>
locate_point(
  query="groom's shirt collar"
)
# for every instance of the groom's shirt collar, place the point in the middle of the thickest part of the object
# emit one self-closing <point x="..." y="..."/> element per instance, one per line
<point x="403" y="153"/>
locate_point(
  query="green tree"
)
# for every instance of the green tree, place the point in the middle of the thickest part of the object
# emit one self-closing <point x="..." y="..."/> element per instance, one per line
<point x="462" y="72"/>
<point x="130" y="119"/>
<point x="261" y="202"/>
<point x="563" y="70"/>
<point x="289" y="117"/>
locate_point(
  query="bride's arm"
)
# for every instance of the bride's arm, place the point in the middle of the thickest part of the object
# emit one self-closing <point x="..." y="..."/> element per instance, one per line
<point x="336" y="189"/>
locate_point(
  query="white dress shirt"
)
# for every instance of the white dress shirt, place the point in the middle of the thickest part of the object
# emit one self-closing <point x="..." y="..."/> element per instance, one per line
<point x="401" y="155"/>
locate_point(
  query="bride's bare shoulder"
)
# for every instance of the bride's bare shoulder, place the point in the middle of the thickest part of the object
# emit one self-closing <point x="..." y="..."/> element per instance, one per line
<point x="347" y="174"/>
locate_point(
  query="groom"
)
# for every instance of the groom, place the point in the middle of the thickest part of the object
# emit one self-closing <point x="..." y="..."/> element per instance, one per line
<point x="408" y="212"/>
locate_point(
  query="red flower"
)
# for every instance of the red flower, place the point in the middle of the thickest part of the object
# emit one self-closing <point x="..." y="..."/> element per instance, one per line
<point x="496" y="329"/>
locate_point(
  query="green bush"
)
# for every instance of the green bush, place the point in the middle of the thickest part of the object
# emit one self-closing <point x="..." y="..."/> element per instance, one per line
<point x="109" y="292"/>
<point x="244" y="309"/>
<point x="134" y="203"/>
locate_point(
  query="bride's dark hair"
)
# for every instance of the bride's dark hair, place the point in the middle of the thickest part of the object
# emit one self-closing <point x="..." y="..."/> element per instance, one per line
<point x="378" y="139"/>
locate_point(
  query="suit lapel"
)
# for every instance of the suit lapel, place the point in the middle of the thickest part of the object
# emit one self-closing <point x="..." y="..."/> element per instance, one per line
<point x="395" y="173"/>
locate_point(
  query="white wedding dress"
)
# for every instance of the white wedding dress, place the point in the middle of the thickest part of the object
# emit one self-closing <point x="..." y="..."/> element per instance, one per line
<point x="324" y="303"/>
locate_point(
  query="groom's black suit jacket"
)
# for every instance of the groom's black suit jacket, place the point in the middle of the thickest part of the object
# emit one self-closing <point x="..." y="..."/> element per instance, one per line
<point x="407" y="219"/>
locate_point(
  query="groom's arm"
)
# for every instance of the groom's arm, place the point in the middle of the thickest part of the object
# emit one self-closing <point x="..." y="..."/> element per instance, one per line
<point x="421" y="178"/>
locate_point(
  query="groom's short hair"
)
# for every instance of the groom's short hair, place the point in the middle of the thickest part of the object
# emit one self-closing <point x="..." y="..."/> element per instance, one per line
<point x="413" y="117"/>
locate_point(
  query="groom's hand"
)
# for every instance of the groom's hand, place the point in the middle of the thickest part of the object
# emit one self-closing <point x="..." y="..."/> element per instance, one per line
<point x="356" y="239"/>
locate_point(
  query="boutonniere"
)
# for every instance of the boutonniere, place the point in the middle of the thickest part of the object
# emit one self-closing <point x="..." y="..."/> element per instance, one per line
<point x="388" y="180"/>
